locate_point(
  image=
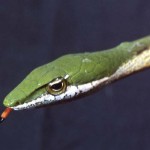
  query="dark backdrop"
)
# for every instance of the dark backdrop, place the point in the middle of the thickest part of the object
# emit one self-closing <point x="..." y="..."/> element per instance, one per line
<point x="34" y="32"/>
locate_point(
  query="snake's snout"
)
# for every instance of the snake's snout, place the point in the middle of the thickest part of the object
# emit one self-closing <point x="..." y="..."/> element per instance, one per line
<point x="10" y="103"/>
<point x="14" y="98"/>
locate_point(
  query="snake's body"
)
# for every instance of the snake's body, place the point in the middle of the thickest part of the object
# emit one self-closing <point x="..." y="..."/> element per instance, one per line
<point x="82" y="73"/>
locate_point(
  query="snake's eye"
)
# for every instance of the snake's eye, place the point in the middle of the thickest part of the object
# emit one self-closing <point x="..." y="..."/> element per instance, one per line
<point x="57" y="86"/>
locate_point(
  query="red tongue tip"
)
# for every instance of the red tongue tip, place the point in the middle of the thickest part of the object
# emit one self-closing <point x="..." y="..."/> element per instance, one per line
<point x="5" y="114"/>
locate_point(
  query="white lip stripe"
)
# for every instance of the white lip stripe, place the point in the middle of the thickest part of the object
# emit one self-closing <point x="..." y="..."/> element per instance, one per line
<point x="71" y="92"/>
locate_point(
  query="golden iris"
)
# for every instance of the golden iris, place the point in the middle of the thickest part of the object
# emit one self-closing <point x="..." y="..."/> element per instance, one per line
<point x="57" y="86"/>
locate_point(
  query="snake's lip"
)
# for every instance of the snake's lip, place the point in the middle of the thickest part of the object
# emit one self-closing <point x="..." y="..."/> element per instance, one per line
<point x="42" y="100"/>
<point x="71" y="91"/>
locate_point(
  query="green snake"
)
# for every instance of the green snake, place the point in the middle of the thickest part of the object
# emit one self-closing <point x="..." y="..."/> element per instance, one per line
<point x="74" y="75"/>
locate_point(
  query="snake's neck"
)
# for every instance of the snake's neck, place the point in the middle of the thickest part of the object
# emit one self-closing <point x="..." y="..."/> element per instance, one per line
<point x="136" y="63"/>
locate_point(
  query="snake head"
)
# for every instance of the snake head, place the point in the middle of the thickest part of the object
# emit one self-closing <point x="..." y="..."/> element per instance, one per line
<point x="62" y="79"/>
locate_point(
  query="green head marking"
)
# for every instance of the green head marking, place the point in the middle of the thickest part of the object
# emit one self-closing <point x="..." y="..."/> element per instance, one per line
<point x="69" y="67"/>
<point x="75" y="74"/>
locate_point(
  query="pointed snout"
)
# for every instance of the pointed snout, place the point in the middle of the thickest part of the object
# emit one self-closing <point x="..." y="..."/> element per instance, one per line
<point x="10" y="103"/>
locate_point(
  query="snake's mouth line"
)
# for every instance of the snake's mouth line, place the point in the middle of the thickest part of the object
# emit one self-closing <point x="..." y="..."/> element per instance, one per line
<point x="71" y="92"/>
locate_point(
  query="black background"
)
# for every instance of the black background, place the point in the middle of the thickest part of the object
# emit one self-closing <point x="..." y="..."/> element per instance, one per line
<point x="34" y="32"/>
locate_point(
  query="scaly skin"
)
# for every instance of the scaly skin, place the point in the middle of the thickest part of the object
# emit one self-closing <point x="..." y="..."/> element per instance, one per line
<point x="82" y="68"/>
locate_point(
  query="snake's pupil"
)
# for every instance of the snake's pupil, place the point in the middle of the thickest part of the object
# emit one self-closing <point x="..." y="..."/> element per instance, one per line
<point x="57" y="86"/>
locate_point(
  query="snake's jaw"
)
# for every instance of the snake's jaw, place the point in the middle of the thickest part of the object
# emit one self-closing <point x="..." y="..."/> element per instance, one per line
<point x="71" y="92"/>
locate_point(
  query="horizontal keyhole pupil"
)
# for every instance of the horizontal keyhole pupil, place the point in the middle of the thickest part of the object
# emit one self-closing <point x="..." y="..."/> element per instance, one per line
<point x="57" y="86"/>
